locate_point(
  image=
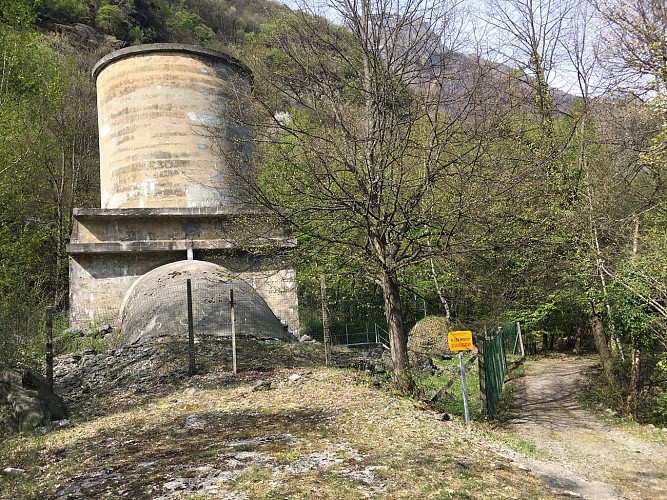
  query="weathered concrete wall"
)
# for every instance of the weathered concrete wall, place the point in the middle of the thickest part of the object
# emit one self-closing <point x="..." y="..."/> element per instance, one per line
<point x="108" y="230"/>
<point x="162" y="129"/>
<point x="278" y="288"/>
<point x="98" y="283"/>
<point x="111" y="249"/>
<point x="98" y="286"/>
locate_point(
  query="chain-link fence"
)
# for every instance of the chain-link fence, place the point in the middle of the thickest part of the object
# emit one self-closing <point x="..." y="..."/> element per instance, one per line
<point x="163" y="310"/>
<point x="512" y="340"/>
<point x="201" y="311"/>
<point x="21" y="336"/>
<point x="354" y="333"/>
<point x="495" y="367"/>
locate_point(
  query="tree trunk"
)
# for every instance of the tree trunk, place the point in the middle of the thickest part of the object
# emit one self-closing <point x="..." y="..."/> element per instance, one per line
<point x="632" y="399"/>
<point x="599" y="264"/>
<point x="633" y="392"/>
<point x="441" y="294"/>
<point x="398" y="337"/>
<point x="597" y="329"/>
<point x="579" y="342"/>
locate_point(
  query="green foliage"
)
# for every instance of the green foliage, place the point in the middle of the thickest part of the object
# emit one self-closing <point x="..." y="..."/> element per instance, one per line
<point x="232" y="20"/>
<point x="64" y="10"/>
<point x="187" y="27"/>
<point x="66" y="340"/>
<point x="351" y="299"/>
<point x="656" y="404"/>
<point x="23" y="235"/>
<point x="22" y="341"/>
<point x="452" y="402"/>
<point x="19" y="13"/>
<point x="45" y="168"/>
<point x="111" y="19"/>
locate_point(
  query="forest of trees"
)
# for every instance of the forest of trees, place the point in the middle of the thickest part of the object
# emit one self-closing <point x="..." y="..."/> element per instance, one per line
<point x="501" y="164"/>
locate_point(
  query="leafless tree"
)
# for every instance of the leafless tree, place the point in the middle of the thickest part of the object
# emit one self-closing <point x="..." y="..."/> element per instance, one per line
<point x="372" y="140"/>
<point x="636" y="43"/>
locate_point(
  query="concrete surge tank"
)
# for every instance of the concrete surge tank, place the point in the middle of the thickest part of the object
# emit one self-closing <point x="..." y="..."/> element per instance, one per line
<point x="165" y="141"/>
<point x="170" y="155"/>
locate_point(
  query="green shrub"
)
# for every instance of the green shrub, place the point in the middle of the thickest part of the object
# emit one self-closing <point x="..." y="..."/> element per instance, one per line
<point x="111" y="20"/>
<point x="22" y="339"/>
<point x="64" y="10"/>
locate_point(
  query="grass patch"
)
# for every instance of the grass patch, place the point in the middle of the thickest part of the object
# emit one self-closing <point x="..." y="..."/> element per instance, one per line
<point x="518" y="444"/>
<point x="596" y="396"/>
<point x="248" y="480"/>
<point x="448" y="372"/>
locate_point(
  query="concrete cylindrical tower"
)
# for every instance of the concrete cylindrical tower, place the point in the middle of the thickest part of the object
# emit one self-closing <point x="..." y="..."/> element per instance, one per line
<point x="165" y="141"/>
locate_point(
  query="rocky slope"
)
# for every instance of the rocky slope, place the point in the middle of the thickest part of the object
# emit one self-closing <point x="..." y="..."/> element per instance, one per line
<point x="283" y="427"/>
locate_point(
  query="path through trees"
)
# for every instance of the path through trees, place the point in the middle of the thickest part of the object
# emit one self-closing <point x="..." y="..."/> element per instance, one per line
<point x="583" y="454"/>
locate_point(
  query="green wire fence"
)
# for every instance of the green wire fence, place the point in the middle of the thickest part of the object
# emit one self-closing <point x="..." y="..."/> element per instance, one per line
<point x="493" y="364"/>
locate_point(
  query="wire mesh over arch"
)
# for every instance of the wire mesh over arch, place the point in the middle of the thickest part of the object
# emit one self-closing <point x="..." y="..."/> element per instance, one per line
<point x="156" y="305"/>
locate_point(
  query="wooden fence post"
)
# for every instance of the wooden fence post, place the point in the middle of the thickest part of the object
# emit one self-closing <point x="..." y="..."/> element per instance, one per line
<point x="233" y="320"/>
<point x="325" y="319"/>
<point x="518" y="332"/>
<point x="49" y="346"/>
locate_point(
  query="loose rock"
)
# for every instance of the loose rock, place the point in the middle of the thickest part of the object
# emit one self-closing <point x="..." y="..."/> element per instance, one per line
<point x="27" y="401"/>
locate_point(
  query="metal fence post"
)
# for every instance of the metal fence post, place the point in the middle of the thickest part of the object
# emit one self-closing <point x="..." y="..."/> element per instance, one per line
<point x="233" y="320"/>
<point x="191" y="331"/>
<point x="503" y="356"/>
<point x="482" y="376"/>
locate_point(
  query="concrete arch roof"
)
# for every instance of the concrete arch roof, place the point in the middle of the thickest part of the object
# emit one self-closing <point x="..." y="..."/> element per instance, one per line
<point x="156" y="304"/>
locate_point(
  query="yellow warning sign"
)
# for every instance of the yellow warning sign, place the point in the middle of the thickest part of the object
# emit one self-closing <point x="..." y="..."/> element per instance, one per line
<point x="460" y="341"/>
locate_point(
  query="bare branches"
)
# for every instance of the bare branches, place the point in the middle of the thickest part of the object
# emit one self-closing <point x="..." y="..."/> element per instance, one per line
<point x="636" y="42"/>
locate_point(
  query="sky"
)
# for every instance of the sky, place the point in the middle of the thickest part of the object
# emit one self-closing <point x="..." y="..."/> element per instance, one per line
<point x="478" y="33"/>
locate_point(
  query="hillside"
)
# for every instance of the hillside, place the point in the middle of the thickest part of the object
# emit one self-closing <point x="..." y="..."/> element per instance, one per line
<point x="284" y="427"/>
<point x="213" y="23"/>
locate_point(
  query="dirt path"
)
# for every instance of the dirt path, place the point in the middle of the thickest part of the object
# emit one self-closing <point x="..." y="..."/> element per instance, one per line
<point x="584" y="456"/>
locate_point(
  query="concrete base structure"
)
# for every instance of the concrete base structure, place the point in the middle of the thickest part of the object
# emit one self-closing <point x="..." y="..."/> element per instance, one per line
<point x="110" y="249"/>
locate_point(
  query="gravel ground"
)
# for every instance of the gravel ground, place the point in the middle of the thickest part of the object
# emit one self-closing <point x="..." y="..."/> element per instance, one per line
<point x="585" y="456"/>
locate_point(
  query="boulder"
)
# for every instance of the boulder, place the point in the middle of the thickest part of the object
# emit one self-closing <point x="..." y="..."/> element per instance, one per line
<point x="422" y="366"/>
<point x="27" y="401"/>
<point x="429" y="336"/>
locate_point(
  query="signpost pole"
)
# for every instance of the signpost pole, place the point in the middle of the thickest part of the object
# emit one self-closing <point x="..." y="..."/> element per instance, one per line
<point x="462" y="341"/>
<point x="465" y="388"/>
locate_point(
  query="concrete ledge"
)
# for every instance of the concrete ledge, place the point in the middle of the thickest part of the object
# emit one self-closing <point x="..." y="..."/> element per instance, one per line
<point x="171" y="246"/>
<point x="139" y="213"/>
